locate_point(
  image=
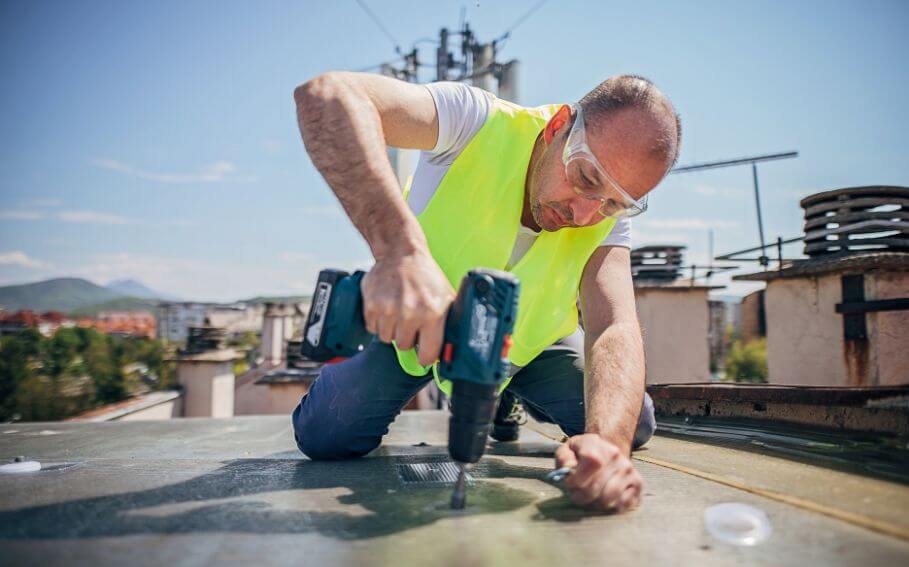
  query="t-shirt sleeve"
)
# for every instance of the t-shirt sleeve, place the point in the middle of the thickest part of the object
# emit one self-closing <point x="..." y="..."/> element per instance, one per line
<point x="462" y="111"/>
<point x="620" y="234"/>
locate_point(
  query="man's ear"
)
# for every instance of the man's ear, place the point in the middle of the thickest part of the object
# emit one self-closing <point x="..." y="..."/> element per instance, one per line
<point x="556" y="123"/>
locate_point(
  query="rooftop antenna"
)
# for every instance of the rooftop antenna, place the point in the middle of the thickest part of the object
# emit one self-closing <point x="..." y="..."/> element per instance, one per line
<point x="754" y="160"/>
<point x="709" y="254"/>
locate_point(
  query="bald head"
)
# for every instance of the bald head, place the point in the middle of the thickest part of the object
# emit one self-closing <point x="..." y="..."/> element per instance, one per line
<point x="631" y="100"/>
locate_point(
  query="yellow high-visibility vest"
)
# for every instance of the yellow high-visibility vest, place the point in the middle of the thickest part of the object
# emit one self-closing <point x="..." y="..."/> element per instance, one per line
<point x="472" y="221"/>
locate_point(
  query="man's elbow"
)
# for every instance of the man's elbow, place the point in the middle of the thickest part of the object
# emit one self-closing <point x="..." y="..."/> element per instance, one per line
<point x="312" y="96"/>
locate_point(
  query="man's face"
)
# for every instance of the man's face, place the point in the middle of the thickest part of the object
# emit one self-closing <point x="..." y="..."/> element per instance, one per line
<point x="622" y="143"/>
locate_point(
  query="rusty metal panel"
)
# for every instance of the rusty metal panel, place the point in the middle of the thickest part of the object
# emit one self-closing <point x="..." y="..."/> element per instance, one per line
<point x="854" y="327"/>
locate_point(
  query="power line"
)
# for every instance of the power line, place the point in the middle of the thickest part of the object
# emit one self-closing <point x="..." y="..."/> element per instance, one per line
<point x="522" y="19"/>
<point x="379" y="25"/>
<point x="378" y="65"/>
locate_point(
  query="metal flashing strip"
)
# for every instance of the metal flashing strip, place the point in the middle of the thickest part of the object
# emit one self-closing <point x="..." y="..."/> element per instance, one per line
<point x="861" y="520"/>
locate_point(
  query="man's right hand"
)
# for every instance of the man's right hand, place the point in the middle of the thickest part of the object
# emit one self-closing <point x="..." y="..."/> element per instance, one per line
<point x="406" y="298"/>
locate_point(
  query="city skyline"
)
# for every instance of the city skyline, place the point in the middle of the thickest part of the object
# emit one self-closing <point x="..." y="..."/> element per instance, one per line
<point x="158" y="142"/>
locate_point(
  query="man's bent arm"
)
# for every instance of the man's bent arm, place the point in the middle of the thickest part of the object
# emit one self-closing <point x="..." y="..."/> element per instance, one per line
<point x="614" y="376"/>
<point x="346" y="120"/>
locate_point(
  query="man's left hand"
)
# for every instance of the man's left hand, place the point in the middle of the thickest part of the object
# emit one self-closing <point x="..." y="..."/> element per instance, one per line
<point x="603" y="476"/>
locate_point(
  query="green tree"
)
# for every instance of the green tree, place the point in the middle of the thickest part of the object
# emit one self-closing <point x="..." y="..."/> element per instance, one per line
<point x="102" y="360"/>
<point x="52" y="378"/>
<point x="19" y="353"/>
<point x="748" y="362"/>
<point x="62" y="350"/>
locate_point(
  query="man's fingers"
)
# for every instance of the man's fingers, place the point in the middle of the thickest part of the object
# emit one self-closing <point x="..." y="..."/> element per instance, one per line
<point x="385" y="329"/>
<point x="612" y="490"/>
<point x="590" y="464"/>
<point x="431" y="336"/>
<point x="630" y="498"/>
<point x="405" y="336"/>
<point x="564" y="457"/>
<point x="590" y="493"/>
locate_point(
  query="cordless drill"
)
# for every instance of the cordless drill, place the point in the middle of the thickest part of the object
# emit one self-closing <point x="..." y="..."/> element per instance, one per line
<point x="474" y="350"/>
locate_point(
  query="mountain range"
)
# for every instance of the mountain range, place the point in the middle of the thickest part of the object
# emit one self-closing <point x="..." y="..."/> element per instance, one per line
<point x="77" y="296"/>
<point x="80" y="297"/>
<point x="135" y="288"/>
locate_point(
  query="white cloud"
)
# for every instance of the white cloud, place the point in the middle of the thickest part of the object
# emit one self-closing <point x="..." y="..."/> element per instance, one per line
<point x="89" y="217"/>
<point x="94" y="217"/>
<point x="649" y="237"/>
<point x="19" y="258"/>
<point x="683" y="224"/>
<point x="203" y="279"/>
<point x="47" y="202"/>
<point x="21" y="215"/>
<point x="217" y="172"/>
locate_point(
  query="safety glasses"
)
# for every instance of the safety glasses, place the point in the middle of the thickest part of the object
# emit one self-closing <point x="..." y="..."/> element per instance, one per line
<point x="590" y="179"/>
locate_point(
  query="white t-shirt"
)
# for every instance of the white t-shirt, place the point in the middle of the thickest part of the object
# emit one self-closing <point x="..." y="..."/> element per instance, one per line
<point x="462" y="112"/>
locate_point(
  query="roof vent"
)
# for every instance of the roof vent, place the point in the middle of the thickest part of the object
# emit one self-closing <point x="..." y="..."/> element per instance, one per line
<point x="205" y="339"/>
<point x="661" y="263"/>
<point x="857" y="219"/>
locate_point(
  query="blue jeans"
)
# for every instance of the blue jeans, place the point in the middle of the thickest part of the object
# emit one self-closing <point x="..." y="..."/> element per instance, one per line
<point x="349" y="407"/>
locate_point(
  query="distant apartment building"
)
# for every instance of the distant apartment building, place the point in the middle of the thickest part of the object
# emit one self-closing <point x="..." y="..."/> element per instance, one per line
<point x="46" y="323"/>
<point x="122" y="323"/>
<point x="175" y="318"/>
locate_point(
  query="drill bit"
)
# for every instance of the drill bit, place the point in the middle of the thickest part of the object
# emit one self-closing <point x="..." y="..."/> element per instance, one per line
<point x="459" y="496"/>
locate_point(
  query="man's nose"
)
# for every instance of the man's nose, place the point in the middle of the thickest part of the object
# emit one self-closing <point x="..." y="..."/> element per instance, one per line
<point x="584" y="211"/>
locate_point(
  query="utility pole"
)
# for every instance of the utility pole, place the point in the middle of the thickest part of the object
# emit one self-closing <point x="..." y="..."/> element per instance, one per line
<point x="476" y="64"/>
<point x="508" y="81"/>
<point x="484" y="60"/>
<point x="443" y="57"/>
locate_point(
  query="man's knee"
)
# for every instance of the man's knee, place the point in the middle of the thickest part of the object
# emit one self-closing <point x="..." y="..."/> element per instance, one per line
<point x="326" y="441"/>
<point x="646" y="423"/>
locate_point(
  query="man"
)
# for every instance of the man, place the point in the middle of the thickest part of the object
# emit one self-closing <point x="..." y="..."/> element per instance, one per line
<point x="545" y="193"/>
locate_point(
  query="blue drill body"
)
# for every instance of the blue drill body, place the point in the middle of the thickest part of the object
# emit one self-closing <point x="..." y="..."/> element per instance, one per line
<point x="474" y="358"/>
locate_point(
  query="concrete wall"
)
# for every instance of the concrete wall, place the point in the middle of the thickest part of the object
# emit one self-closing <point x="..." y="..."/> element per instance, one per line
<point x="804" y="333"/>
<point x="805" y="344"/>
<point x="890" y="329"/>
<point x="268" y="399"/>
<point x="208" y="387"/>
<point x="276" y="330"/>
<point x="750" y="317"/>
<point x="675" y="325"/>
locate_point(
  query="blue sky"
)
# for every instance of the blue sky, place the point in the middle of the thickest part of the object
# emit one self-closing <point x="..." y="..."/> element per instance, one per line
<point x="158" y="140"/>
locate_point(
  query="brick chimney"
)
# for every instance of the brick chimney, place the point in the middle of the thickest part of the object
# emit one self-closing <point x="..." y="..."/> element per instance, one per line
<point x="205" y="372"/>
<point x="277" y="329"/>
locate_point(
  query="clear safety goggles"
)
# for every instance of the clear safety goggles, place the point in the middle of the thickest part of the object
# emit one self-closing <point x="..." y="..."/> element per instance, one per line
<point x="590" y="179"/>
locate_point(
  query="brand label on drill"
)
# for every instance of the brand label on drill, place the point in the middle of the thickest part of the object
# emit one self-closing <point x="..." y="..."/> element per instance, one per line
<point x="317" y="313"/>
<point x="482" y="330"/>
